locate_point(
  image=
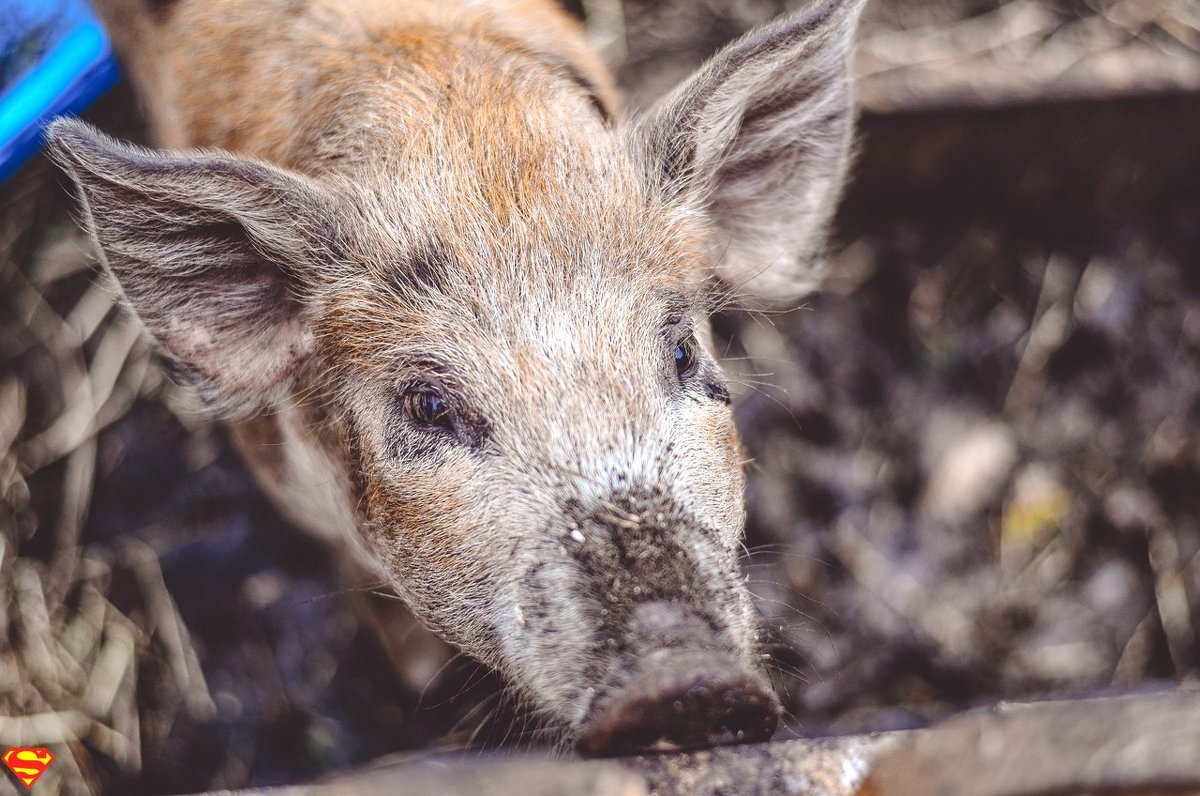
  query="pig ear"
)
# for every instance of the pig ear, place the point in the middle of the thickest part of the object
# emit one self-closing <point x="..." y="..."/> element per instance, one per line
<point x="208" y="251"/>
<point x="761" y="134"/>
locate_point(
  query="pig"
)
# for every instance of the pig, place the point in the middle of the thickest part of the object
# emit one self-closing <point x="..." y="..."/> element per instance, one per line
<point x="453" y="306"/>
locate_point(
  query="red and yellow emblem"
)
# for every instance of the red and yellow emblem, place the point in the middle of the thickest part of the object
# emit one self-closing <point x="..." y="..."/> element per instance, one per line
<point x="28" y="762"/>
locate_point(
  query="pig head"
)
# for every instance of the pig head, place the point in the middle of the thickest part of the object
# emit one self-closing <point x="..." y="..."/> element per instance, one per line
<point x="456" y="318"/>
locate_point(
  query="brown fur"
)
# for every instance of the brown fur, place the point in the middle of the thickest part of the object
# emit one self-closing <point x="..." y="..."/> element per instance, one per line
<point x="417" y="199"/>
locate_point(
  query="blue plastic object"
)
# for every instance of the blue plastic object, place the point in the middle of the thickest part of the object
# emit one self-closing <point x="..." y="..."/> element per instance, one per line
<point x="55" y="58"/>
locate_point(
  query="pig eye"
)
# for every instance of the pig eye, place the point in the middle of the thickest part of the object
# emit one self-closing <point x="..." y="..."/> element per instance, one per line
<point x="685" y="357"/>
<point x="428" y="406"/>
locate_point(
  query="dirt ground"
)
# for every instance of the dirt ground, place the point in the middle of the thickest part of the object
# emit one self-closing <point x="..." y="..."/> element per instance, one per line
<point x="976" y="470"/>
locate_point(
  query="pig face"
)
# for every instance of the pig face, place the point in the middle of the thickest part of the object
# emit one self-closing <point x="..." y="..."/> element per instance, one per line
<point x="551" y="474"/>
<point x="491" y="313"/>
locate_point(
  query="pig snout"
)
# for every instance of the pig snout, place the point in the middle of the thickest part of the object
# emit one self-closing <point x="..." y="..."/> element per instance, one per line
<point x="681" y="691"/>
<point x="684" y="701"/>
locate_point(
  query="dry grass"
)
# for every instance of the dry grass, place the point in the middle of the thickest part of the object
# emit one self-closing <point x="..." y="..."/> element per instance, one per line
<point x="73" y="666"/>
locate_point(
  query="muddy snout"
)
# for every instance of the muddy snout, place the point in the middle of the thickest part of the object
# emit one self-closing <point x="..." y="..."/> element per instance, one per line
<point x="679" y="690"/>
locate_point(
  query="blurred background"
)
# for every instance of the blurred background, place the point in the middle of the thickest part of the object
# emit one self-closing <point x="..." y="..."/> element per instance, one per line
<point x="976" y="463"/>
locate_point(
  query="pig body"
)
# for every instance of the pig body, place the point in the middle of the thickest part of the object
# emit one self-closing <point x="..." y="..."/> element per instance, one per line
<point x="452" y="306"/>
